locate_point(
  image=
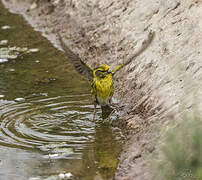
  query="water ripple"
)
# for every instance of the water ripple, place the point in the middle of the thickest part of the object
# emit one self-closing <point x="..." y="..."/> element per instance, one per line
<point x="40" y="121"/>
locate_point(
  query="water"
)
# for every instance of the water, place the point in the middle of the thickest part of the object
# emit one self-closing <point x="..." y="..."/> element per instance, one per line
<point x="46" y="113"/>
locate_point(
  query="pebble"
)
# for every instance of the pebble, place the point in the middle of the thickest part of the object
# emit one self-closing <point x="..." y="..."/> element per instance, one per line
<point x="65" y="175"/>
<point x="11" y="70"/>
<point x="56" y="2"/>
<point x="68" y="175"/>
<point x="44" y="94"/>
<point x="3" y="42"/>
<point x="3" y="60"/>
<point x="5" y="27"/>
<point x="61" y="176"/>
<point x="24" y="49"/>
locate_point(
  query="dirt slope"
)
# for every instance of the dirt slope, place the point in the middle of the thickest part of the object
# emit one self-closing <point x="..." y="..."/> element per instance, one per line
<point x="159" y="85"/>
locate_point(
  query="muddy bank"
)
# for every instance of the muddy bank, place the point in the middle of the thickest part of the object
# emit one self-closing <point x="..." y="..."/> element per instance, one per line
<point x="159" y="85"/>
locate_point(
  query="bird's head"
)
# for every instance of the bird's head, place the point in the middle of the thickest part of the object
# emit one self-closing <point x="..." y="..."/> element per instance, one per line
<point x="102" y="71"/>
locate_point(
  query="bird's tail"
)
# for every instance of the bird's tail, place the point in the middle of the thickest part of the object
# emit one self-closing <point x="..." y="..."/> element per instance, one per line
<point x="106" y="111"/>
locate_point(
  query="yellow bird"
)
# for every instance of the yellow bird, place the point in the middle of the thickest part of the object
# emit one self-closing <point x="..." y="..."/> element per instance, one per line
<point x="101" y="77"/>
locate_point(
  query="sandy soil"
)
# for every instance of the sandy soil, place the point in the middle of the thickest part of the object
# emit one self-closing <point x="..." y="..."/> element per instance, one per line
<point x="158" y="86"/>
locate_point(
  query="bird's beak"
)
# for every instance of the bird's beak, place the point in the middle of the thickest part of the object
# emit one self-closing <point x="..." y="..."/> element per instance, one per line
<point x="109" y="71"/>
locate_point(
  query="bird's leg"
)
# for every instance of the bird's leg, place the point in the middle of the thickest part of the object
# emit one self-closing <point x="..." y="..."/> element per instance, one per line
<point x="113" y="105"/>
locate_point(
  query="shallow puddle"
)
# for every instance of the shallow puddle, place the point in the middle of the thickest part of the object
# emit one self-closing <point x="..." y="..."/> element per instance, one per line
<point x="46" y="112"/>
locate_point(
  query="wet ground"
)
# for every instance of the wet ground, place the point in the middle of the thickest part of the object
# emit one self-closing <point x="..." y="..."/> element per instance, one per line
<point x="46" y="112"/>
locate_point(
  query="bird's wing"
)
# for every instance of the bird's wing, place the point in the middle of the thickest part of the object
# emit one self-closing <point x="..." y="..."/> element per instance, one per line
<point x="117" y="68"/>
<point x="142" y="46"/>
<point x="81" y="67"/>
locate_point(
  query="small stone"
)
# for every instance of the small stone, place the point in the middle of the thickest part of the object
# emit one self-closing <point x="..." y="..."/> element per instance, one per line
<point x="24" y="49"/>
<point x="68" y="175"/>
<point x="3" y="60"/>
<point x="53" y="155"/>
<point x="44" y="94"/>
<point x="65" y="175"/>
<point x="11" y="70"/>
<point x="34" y="50"/>
<point x="56" y="2"/>
<point x="35" y="178"/>
<point x="5" y="27"/>
<point x="61" y="176"/>
<point x="3" y="42"/>
<point x="33" y="6"/>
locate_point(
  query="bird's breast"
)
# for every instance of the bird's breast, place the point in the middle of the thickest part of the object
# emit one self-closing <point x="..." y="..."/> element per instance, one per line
<point x="103" y="88"/>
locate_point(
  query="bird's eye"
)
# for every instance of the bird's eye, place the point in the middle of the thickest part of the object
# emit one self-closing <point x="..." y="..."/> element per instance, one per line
<point x="101" y="73"/>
